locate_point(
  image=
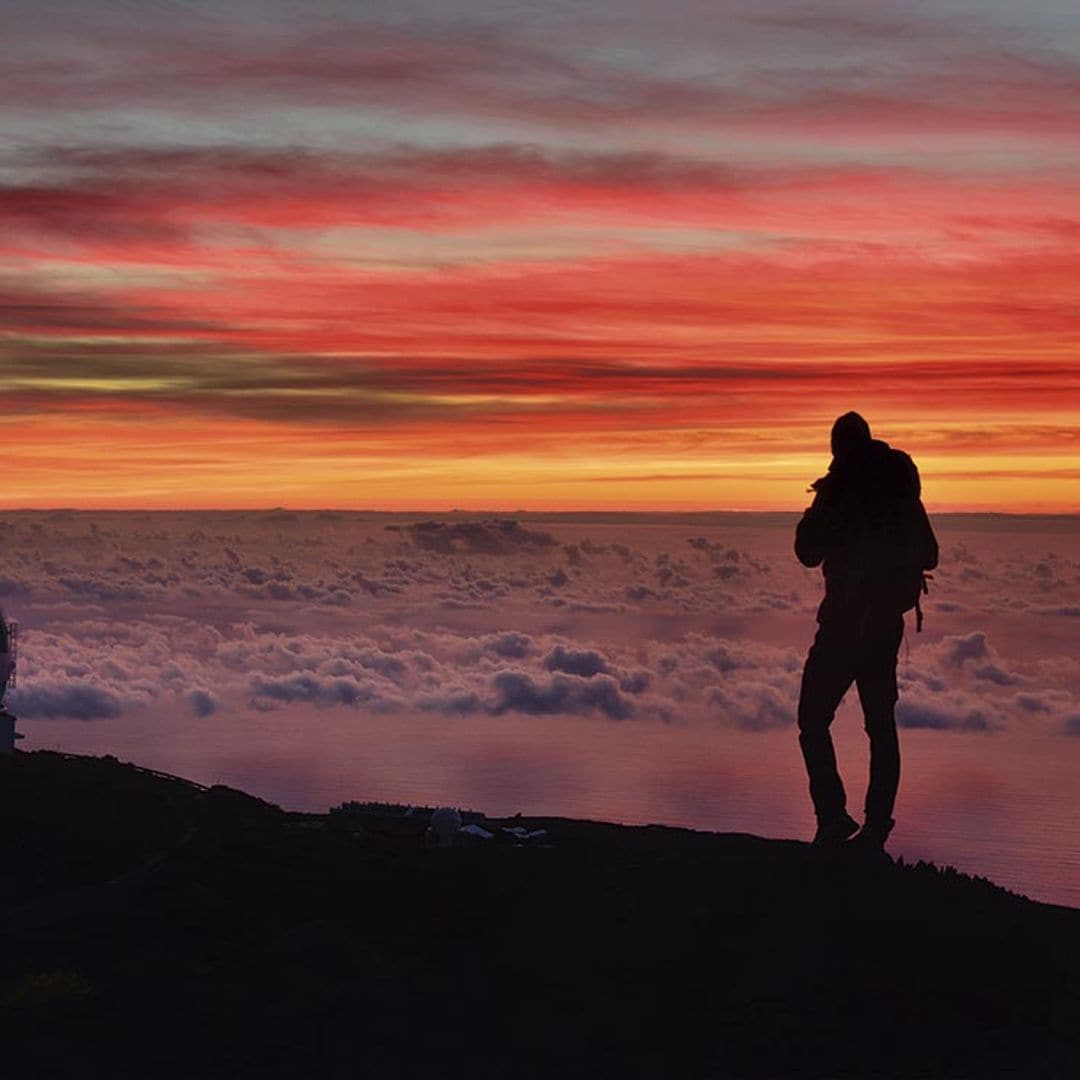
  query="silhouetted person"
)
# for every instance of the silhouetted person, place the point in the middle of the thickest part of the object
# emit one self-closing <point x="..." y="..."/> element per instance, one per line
<point x="868" y="530"/>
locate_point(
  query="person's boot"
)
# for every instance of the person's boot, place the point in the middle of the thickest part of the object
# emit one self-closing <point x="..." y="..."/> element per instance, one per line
<point x="835" y="830"/>
<point x="873" y="834"/>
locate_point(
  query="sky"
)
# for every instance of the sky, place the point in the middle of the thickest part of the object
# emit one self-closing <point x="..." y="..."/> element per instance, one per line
<point x="475" y="255"/>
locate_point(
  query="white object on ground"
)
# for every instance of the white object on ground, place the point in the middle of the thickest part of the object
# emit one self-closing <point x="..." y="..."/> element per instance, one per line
<point x="477" y="831"/>
<point x="445" y="825"/>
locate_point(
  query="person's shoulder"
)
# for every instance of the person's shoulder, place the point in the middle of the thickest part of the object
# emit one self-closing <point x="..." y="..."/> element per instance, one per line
<point x="905" y="472"/>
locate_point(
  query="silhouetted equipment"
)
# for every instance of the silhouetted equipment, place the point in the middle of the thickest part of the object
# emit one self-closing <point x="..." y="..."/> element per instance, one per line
<point x="13" y="655"/>
<point x="9" y="645"/>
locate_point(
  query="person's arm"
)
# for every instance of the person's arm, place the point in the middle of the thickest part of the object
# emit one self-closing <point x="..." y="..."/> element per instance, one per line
<point x="812" y="535"/>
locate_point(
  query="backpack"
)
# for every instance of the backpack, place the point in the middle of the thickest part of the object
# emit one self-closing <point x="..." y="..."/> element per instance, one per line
<point x="884" y="542"/>
<point x="886" y="555"/>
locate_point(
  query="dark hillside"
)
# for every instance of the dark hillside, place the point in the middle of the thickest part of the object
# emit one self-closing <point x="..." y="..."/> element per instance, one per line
<point x="155" y="928"/>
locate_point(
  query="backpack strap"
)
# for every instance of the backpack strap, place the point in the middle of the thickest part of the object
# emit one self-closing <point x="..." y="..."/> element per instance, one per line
<point x="918" y="602"/>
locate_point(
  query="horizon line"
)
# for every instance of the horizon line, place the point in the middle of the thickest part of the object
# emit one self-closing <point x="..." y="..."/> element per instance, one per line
<point x="495" y="511"/>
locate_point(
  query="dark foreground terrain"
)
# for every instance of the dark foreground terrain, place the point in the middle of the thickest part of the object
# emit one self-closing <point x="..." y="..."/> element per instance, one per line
<point x="155" y="928"/>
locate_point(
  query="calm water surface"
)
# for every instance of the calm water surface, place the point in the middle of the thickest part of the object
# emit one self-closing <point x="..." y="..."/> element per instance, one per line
<point x="995" y="805"/>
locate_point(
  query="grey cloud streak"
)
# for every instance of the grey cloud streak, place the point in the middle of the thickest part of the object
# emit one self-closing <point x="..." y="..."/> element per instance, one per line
<point x="213" y="378"/>
<point x="944" y="70"/>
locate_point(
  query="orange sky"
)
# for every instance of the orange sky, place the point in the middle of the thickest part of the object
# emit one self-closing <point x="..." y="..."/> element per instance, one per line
<point x="475" y="265"/>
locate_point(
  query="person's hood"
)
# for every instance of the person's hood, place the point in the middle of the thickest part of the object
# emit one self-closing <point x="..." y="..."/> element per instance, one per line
<point x="871" y="454"/>
<point x="868" y="469"/>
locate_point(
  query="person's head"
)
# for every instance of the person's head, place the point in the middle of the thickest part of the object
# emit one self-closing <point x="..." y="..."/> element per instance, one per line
<point x="850" y="434"/>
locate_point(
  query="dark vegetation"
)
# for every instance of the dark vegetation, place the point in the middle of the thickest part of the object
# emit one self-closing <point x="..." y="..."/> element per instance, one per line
<point x="154" y="928"/>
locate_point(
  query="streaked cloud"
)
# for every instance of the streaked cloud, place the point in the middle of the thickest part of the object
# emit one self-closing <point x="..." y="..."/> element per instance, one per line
<point x="449" y="250"/>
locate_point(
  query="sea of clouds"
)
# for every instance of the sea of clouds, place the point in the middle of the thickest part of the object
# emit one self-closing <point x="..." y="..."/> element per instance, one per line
<point x="659" y="620"/>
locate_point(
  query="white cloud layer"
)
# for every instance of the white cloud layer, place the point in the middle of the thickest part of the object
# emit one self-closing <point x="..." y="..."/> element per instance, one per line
<point x="202" y="614"/>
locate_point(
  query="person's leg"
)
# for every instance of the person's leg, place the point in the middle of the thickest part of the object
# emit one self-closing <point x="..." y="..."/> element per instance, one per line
<point x="875" y="678"/>
<point x="826" y="677"/>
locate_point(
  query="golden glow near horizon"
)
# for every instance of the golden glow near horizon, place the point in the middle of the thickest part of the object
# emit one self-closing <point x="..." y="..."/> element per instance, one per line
<point x="184" y="464"/>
